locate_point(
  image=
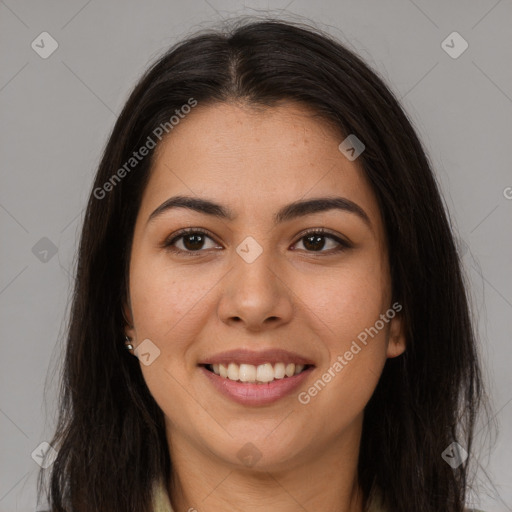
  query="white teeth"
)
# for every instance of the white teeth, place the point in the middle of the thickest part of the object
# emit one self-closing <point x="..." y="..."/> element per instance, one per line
<point x="290" y="369"/>
<point x="233" y="371"/>
<point x="265" y="373"/>
<point x="260" y="374"/>
<point x="279" y="371"/>
<point x="247" y="372"/>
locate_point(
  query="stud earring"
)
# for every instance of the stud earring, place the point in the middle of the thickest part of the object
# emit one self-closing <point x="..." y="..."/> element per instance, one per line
<point x="128" y="343"/>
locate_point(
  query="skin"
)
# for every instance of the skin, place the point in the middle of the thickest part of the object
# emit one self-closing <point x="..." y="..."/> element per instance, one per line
<point x="255" y="161"/>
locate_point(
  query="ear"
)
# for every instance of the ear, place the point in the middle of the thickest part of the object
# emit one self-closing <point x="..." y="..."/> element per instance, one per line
<point x="396" y="341"/>
<point x="129" y="329"/>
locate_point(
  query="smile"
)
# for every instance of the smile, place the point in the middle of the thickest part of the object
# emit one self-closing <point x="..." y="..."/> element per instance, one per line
<point x="260" y="374"/>
<point x="254" y="392"/>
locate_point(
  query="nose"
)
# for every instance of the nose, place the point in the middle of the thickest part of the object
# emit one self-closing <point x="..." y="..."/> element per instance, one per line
<point x="256" y="294"/>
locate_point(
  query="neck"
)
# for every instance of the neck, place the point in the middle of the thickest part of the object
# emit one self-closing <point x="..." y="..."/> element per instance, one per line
<point x="317" y="479"/>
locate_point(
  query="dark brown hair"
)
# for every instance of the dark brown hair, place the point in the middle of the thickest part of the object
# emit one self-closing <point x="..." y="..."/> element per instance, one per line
<point x="110" y="436"/>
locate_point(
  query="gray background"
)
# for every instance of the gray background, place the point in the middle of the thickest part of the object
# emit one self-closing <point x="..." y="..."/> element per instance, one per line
<point x="56" y="115"/>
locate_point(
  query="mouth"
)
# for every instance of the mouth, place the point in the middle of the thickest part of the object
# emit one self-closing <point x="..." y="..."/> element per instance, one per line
<point x="256" y="384"/>
<point x="257" y="374"/>
<point x="256" y="378"/>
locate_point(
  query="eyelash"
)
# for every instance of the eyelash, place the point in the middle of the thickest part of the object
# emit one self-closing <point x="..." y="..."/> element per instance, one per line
<point x="168" y="243"/>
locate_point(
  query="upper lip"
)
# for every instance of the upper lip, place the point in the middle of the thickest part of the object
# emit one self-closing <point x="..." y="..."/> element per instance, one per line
<point x="241" y="356"/>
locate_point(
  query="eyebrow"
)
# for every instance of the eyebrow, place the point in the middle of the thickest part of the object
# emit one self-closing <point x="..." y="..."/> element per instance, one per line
<point x="286" y="213"/>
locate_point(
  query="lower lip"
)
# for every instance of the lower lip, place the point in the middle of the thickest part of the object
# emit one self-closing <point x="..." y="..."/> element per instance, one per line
<point x="246" y="393"/>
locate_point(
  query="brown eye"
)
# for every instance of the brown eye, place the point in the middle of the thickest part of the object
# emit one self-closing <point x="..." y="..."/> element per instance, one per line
<point x="194" y="241"/>
<point x="315" y="241"/>
<point x="188" y="241"/>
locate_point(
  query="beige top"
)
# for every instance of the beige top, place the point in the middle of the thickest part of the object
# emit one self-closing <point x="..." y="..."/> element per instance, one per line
<point x="161" y="501"/>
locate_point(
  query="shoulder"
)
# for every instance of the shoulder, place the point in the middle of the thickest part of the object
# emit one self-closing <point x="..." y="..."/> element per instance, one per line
<point x="161" y="501"/>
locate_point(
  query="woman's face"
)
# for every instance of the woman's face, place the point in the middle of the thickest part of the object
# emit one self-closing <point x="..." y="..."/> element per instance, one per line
<point x="258" y="282"/>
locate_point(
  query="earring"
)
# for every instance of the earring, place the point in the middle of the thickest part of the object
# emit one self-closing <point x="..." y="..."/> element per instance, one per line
<point x="128" y="343"/>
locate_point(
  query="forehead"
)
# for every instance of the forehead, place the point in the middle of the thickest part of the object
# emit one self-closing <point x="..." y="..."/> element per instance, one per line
<point x="255" y="158"/>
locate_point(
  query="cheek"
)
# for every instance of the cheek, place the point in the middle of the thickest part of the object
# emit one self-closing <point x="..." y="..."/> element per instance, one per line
<point x="347" y="309"/>
<point x="166" y="300"/>
<point x="347" y="300"/>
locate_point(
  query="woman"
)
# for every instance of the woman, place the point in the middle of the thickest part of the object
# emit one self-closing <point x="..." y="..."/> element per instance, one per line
<point x="269" y="310"/>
